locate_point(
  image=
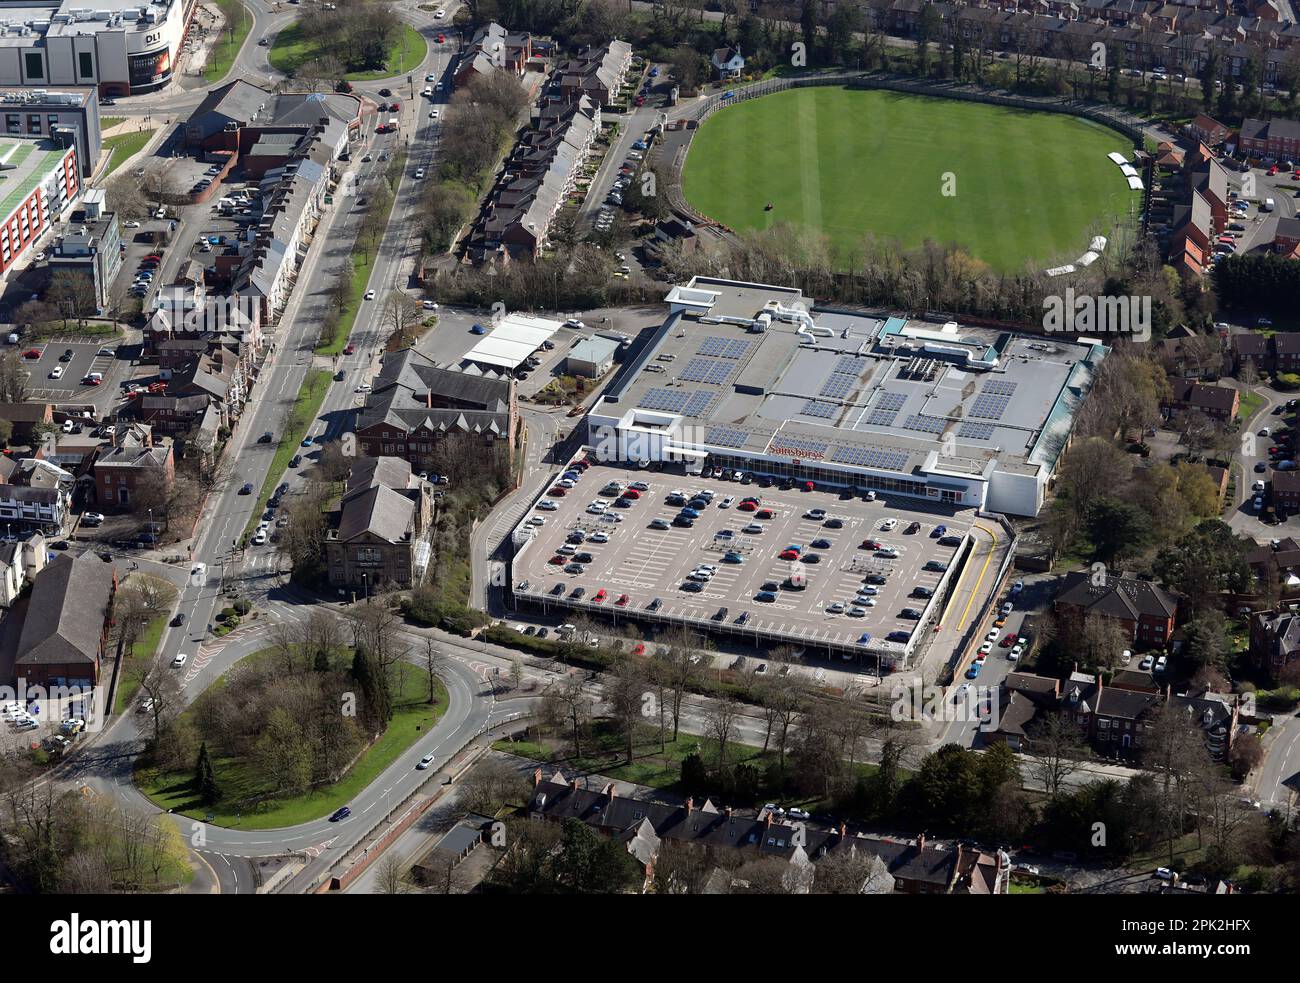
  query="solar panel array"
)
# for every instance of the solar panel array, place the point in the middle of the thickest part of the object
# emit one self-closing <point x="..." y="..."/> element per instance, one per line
<point x="799" y="447"/>
<point x="925" y="424"/>
<point x="869" y="457"/>
<point x="999" y="387"/>
<point x="976" y="431"/>
<point x="726" y="437"/>
<point x="989" y="407"/>
<point x="820" y="409"/>
<point x="886" y="409"/>
<point x="723" y="347"/>
<point x="838" y="385"/>
<point x="713" y="371"/>
<point x="676" y="401"/>
<point x="847" y="365"/>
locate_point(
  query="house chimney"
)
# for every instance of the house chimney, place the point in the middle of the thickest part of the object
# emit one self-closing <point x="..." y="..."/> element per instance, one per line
<point x="573" y="784"/>
<point x="690" y="805"/>
<point x="769" y="818"/>
<point x="728" y="812"/>
<point x="612" y="790"/>
<point x="844" y="831"/>
<point x="920" y="843"/>
<point x="537" y="777"/>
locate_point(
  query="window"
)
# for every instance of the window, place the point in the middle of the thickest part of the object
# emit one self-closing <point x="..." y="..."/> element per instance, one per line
<point x="33" y="123"/>
<point x="86" y="65"/>
<point x="33" y="66"/>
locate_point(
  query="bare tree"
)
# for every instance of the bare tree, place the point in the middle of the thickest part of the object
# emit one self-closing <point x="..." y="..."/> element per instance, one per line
<point x="1057" y="750"/>
<point x="720" y="725"/>
<point x="435" y="664"/>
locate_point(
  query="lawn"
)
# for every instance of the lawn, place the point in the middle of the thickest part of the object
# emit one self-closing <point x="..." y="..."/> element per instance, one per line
<point x="223" y="53"/>
<point x="239" y="780"/>
<point x="305" y="408"/>
<point x="348" y="314"/>
<point x="290" y="51"/>
<point x="1030" y="187"/>
<point x="124" y="146"/>
<point x="1250" y="403"/>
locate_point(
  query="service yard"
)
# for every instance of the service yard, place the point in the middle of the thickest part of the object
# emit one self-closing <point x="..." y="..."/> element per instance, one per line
<point x="825" y="596"/>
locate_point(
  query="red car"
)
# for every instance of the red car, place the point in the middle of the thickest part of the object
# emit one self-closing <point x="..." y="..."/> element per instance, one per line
<point x="600" y="595"/>
<point x="631" y="493"/>
<point x="90" y="381"/>
<point x="349" y="349"/>
<point x="870" y="544"/>
<point x="639" y="648"/>
<point x="1272" y="170"/>
<point x="558" y="492"/>
<point x="746" y="507"/>
<point x="31" y="353"/>
<point x="556" y="560"/>
<point x="622" y="600"/>
<point x="789" y="555"/>
<point x="442" y="39"/>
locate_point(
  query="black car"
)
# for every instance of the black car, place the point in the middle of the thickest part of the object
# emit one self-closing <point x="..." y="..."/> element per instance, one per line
<point x="342" y="813"/>
<point x="583" y="558"/>
<point x="282" y="489"/>
<point x="557" y="589"/>
<point x="833" y="524"/>
<point x="543" y="632"/>
<point x="295" y="460"/>
<point x="247" y="489"/>
<point x="178" y="620"/>
<point x="655" y="605"/>
<point x="874" y="578"/>
<point x="683" y="521"/>
<point x="575" y="537"/>
<point x="106" y="556"/>
<point x="721" y="615"/>
<point x="820" y="544"/>
<point x="910" y="613"/>
<point x="61" y="544"/>
<point x="923" y="592"/>
<point x="811" y="558"/>
<point x="66" y="356"/>
<point x="913" y="527"/>
<point x="266" y="438"/>
<point x="385" y="92"/>
<point x="578" y="593"/>
<point x="675" y="500"/>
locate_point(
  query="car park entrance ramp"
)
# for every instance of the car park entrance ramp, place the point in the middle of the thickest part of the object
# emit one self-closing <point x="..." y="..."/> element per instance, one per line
<point x="512" y="340"/>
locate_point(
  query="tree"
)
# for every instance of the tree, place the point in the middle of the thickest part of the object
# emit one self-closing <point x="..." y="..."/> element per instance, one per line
<point x="572" y="705"/>
<point x="1204" y="563"/>
<point x="282" y="754"/>
<point x="13" y="382"/>
<point x="624" y="687"/>
<point x="435" y="664"/>
<point x="205" y="779"/>
<point x="927" y="29"/>
<point x="391" y="877"/>
<point x="401" y="315"/>
<point x="848" y="871"/>
<point x="491" y="785"/>
<point x="1057" y="749"/>
<point x="680" y="672"/>
<point x="720" y="725"/>
<point x="588" y="863"/>
<point x="1205" y="637"/>
<point x="1117" y="528"/>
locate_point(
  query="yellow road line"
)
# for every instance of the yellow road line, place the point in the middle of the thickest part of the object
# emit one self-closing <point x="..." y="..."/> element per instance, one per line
<point x="979" y="580"/>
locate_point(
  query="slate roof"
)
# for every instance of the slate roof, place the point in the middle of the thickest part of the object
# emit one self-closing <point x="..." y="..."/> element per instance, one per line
<point x="1119" y="597"/>
<point x="65" y="617"/>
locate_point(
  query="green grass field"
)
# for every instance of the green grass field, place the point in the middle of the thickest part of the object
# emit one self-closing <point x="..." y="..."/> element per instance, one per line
<point x="290" y="51"/>
<point x="223" y="52"/>
<point x="1030" y="188"/>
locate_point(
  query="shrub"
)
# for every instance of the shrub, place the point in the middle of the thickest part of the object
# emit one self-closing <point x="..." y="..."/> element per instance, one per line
<point x="243" y="606"/>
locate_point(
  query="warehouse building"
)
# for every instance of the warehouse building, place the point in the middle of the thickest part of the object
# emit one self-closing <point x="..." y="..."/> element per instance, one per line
<point x="744" y="375"/>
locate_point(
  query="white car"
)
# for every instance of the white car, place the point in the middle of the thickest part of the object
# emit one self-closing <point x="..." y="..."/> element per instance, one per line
<point x="259" y="537"/>
<point x="986" y="648"/>
<point x="835" y="607"/>
<point x="537" y="520"/>
<point x="1147" y="663"/>
<point x="439" y="14"/>
<point x="857" y="611"/>
<point x="91" y="518"/>
<point x="546" y="505"/>
<point x="727" y="502"/>
<point x="1016" y="652"/>
<point x="131" y="225"/>
<point x="56" y="372"/>
<point x="180" y="660"/>
<point x="889" y="524"/>
<point x="598" y="537"/>
<point x="433" y="114"/>
<point x="424" y="762"/>
<point x="419" y="173"/>
<point x="370" y="295"/>
<point x="993" y="634"/>
<point x="1161" y="663"/>
<point x="147" y="706"/>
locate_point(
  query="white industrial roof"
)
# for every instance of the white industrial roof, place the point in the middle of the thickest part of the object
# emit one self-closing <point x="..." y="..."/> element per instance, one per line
<point x="512" y="340"/>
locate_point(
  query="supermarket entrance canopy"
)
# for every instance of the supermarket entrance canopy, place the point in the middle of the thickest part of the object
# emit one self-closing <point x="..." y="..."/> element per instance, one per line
<point x="512" y="340"/>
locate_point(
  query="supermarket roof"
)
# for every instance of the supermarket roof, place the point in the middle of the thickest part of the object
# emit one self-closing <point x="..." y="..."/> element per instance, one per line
<point x="511" y="340"/>
<point x="24" y="164"/>
<point x="757" y="371"/>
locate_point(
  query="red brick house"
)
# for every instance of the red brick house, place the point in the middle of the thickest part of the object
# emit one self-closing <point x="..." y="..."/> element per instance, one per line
<point x="1145" y="611"/>
<point x="1219" y="402"/>
<point x="65" y="628"/>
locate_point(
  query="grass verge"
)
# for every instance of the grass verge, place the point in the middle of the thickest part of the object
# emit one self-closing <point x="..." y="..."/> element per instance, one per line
<point x="305" y="408"/>
<point x="291" y="50"/>
<point x="145" y="648"/>
<point x="239" y="779"/>
<point x="361" y="266"/>
<point x="222" y="55"/>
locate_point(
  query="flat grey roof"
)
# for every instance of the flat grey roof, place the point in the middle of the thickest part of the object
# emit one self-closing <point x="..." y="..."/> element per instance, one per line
<point x="861" y="383"/>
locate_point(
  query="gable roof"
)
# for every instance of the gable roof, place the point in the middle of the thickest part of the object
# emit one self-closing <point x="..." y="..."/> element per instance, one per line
<point x="1118" y="597"/>
<point x="66" y="614"/>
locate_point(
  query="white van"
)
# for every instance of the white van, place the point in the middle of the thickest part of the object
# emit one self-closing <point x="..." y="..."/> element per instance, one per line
<point x="1267" y="206"/>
